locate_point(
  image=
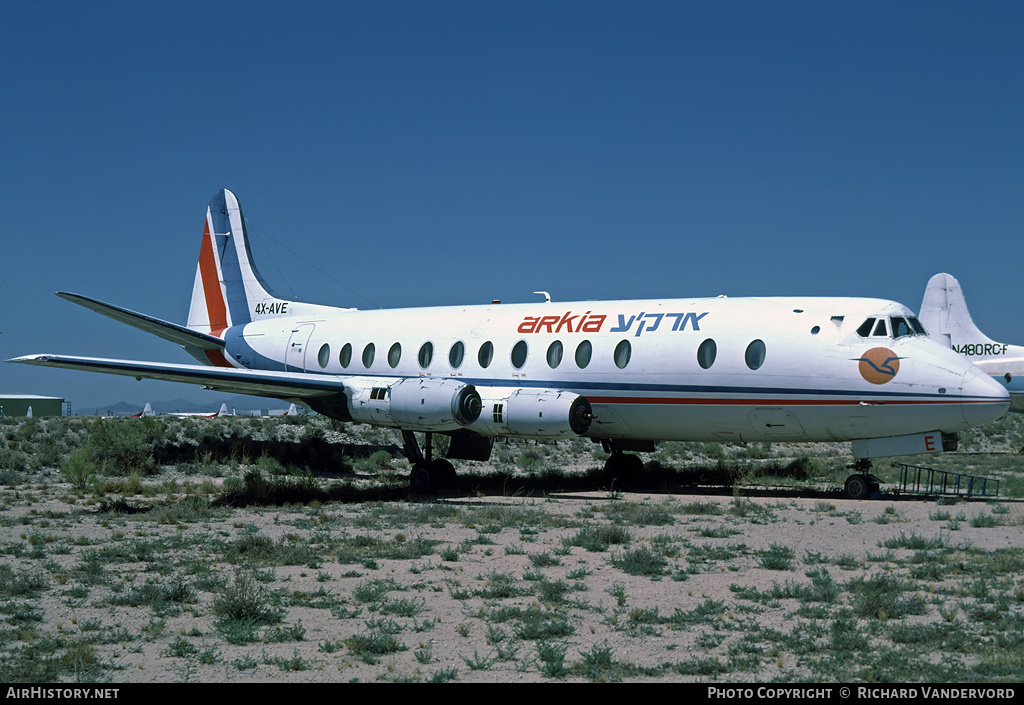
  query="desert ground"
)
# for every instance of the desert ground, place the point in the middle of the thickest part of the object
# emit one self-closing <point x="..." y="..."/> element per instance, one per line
<point x="235" y="567"/>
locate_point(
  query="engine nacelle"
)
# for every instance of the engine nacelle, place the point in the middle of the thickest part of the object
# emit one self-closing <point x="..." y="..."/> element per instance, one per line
<point x="532" y="413"/>
<point x="413" y="404"/>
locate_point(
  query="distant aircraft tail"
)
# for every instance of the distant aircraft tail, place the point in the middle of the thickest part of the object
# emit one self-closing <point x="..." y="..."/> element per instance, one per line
<point x="945" y="316"/>
<point x="228" y="289"/>
<point x="147" y="411"/>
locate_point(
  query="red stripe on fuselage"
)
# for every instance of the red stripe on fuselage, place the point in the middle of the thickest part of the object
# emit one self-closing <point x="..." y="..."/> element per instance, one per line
<point x="710" y="401"/>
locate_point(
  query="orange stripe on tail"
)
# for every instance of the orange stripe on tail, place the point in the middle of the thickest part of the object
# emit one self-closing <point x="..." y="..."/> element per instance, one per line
<point x="215" y="307"/>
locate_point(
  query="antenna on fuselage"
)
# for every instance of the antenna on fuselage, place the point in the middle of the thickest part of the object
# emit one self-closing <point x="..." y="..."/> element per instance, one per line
<point x="546" y="295"/>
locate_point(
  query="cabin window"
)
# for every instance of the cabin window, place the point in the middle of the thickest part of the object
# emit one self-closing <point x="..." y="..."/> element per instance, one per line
<point x="345" y="357"/>
<point x="706" y="353"/>
<point x="623" y="351"/>
<point x="426" y="355"/>
<point x="395" y="355"/>
<point x="456" y="354"/>
<point x="486" y="354"/>
<point x="368" y="353"/>
<point x="555" y="354"/>
<point x="584" y="351"/>
<point x="865" y="328"/>
<point x="324" y="356"/>
<point x="519" y="354"/>
<point x="755" y="354"/>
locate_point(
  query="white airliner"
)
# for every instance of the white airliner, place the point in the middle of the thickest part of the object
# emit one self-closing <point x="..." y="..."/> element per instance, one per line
<point x="623" y="373"/>
<point x="944" y="313"/>
<point x="148" y="411"/>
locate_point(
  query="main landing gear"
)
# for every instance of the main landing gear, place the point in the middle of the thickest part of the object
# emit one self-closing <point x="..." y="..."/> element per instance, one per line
<point x="862" y="484"/>
<point x="622" y="465"/>
<point x="428" y="473"/>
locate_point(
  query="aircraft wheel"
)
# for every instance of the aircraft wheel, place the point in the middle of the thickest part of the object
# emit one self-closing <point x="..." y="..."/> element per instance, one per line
<point x="421" y="479"/>
<point x="621" y="465"/>
<point x="435" y="475"/>
<point x="857" y="487"/>
<point x="443" y="472"/>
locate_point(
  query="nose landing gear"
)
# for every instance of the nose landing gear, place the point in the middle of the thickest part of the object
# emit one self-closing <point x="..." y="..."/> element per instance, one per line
<point x="862" y="484"/>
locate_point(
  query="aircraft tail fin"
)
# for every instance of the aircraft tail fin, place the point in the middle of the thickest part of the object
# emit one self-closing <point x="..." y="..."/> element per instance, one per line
<point x="147" y="411"/>
<point x="944" y="313"/>
<point x="228" y="288"/>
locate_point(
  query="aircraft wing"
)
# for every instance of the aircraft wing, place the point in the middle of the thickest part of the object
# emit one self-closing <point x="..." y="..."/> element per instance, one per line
<point x="298" y="385"/>
<point x="164" y="329"/>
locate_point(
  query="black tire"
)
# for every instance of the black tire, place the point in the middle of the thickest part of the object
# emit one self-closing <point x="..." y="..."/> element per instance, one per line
<point x="421" y="479"/>
<point x="621" y="466"/>
<point x="858" y="487"/>
<point x="443" y="473"/>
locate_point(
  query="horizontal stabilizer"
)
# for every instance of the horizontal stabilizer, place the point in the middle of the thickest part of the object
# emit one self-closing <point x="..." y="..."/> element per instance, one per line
<point x="164" y="329"/>
<point x="280" y="385"/>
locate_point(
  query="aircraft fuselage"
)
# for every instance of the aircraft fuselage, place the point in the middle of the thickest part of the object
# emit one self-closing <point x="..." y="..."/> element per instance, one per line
<point x="703" y="369"/>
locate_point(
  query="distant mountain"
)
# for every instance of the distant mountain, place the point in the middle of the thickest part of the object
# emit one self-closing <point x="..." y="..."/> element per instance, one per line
<point x="119" y="409"/>
<point x="237" y="404"/>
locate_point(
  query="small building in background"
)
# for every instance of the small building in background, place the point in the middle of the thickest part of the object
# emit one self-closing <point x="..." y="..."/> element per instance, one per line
<point x="30" y="405"/>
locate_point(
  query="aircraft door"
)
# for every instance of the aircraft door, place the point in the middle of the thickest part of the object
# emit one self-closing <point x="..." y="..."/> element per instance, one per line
<point x="774" y="421"/>
<point x="295" y="354"/>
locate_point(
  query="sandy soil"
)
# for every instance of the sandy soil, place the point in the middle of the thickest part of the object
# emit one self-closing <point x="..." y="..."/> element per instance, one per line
<point x="500" y="592"/>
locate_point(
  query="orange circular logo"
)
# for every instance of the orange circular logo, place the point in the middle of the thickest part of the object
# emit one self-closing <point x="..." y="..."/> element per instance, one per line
<point x="879" y="365"/>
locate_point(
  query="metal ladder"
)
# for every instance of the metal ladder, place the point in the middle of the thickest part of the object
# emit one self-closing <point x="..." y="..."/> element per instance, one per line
<point x="915" y="479"/>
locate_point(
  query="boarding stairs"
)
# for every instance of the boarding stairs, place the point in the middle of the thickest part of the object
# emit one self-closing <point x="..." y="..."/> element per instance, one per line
<point x="915" y="479"/>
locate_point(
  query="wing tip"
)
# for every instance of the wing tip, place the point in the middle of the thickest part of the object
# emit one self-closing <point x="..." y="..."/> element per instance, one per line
<point x="30" y="359"/>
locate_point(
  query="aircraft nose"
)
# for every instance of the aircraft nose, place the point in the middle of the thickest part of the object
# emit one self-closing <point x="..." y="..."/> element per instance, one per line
<point x="984" y="399"/>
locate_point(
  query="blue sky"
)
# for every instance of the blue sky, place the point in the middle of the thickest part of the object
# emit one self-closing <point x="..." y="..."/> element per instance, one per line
<point x="412" y="153"/>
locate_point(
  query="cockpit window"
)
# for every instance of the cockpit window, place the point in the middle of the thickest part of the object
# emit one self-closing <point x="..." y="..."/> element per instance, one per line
<point x="900" y="327"/>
